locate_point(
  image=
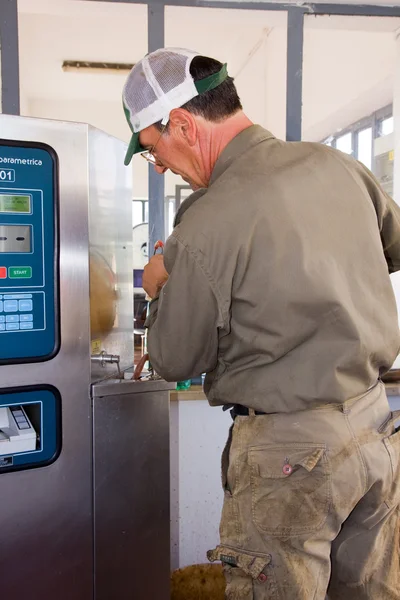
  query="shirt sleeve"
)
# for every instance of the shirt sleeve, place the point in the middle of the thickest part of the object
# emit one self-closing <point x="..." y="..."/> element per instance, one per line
<point x="388" y="213"/>
<point x="183" y="321"/>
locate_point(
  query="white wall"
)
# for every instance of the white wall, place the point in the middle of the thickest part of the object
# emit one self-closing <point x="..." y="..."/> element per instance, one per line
<point x="203" y="431"/>
<point x="275" y="82"/>
<point x="253" y="43"/>
<point x="347" y="73"/>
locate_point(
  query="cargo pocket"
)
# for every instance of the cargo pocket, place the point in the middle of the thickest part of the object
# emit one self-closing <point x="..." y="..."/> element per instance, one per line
<point x="290" y="488"/>
<point x="249" y="575"/>
<point x="392" y="444"/>
<point x="225" y="461"/>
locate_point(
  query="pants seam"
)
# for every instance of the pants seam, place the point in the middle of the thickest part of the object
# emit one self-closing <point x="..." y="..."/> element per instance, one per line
<point x="353" y="435"/>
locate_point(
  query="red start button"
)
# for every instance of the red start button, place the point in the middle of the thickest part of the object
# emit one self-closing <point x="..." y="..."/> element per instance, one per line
<point x="3" y="272"/>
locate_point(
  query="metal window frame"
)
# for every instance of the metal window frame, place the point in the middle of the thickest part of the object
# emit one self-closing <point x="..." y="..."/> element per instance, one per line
<point x="144" y="201"/>
<point x="371" y="121"/>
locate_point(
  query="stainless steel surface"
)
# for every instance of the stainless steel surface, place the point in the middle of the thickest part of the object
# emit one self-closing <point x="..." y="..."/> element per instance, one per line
<point x="45" y="513"/>
<point x="131" y="499"/>
<point x="113" y="387"/>
<point x="110" y="234"/>
<point x="46" y="517"/>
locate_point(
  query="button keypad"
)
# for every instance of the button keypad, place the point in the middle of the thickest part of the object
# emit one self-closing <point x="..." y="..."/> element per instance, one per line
<point x="25" y="305"/>
<point x="25" y="318"/>
<point x="12" y="319"/>
<point x="10" y="306"/>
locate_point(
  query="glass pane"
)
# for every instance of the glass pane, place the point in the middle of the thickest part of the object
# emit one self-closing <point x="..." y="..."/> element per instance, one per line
<point x="146" y="212"/>
<point x="171" y="216"/>
<point x="386" y="126"/>
<point x="344" y="143"/>
<point x="137" y="212"/>
<point x="364" y="147"/>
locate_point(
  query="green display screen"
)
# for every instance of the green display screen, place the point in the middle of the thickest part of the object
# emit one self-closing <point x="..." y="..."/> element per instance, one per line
<point x="15" y="204"/>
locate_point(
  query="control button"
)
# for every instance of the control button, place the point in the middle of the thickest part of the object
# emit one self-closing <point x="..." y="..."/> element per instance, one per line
<point x="26" y="325"/>
<point x="25" y="305"/>
<point x="18" y="413"/>
<point x="1" y="305"/>
<point x="3" y="272"/>
<point x="20" y="272"/>
<point x="2" y="319"/>
<point x="1" y="297"/>
<point x="17" y="296"/>
<point x="12" y="319"/>
<point x="10" y="306"/>
<point x="24" y="318"/>
<point x="2" y="326"/>
<point x="12" y="326"/>
<point x="24" y="425"/>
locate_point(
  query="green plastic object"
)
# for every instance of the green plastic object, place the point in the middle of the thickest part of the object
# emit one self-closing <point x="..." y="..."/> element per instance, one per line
<point x="184" y="385"/>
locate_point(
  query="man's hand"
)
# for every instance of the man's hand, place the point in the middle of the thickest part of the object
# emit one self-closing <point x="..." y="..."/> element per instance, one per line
<point x="154" y="276"/>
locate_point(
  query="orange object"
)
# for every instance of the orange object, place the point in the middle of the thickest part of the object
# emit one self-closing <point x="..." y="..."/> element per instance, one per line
<point x="159" y="245"/>
<point x="139" y="367"/>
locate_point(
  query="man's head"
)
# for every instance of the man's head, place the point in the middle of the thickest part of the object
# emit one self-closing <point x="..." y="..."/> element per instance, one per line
<point x="183" y="109"/>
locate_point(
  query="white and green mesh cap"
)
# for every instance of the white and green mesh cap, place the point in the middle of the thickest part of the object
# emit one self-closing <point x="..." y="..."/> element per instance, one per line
<point x="157" y="84"/>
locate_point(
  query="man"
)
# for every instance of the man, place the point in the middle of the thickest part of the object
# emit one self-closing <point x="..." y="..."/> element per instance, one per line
<point x="276" y="284"/>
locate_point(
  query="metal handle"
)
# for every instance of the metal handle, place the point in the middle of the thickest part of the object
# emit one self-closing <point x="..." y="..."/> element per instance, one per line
<point x="103" y="359"/>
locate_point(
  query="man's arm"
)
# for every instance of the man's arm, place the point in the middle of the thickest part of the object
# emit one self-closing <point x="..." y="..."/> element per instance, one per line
<point x="183" y="321"/>
<point x="388" y="213"/>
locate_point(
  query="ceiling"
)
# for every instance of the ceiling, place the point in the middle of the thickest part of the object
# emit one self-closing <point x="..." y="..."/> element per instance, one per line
<point x="253" y="43"/>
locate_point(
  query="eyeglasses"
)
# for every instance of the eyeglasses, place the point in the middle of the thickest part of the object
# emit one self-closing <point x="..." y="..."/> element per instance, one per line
<point x="149" y="154"/>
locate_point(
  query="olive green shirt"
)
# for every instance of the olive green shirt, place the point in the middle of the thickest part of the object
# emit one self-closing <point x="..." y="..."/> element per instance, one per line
<point x="279" y="282"/>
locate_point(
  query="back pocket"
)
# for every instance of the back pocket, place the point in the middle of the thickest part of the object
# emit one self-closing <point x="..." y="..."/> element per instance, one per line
<point x="291" y="488"/>
<point x="392" y="444"/>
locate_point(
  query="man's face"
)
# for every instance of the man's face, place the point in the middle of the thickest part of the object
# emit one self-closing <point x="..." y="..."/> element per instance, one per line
<point x="171" y="152"/>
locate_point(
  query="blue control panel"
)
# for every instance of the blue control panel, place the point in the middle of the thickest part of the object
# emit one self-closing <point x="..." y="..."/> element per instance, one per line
<point x="30" y="427"/>
<point x="29" y="319"/>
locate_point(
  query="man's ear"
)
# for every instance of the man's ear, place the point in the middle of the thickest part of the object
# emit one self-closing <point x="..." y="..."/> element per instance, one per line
<point x="183" y="126"/>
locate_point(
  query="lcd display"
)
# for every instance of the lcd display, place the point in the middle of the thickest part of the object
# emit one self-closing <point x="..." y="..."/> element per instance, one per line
<point x="15" y="204"/>
<point x="15" y="238"/>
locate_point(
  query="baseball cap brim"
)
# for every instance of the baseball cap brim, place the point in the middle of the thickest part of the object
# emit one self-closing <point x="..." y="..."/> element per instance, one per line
<point x="133" y="148"/>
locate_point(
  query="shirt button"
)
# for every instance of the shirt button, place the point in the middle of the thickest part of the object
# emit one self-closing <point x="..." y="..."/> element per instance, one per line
<point x="262" y="577"/>
<point x="287" y="469"/>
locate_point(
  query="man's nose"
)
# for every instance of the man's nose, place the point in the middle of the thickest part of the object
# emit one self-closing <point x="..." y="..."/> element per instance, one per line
<point x="160" y="169"/>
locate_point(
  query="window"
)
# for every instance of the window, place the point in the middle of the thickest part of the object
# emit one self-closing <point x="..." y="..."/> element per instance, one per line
<point x="386" y="126"/>
<point x="364" y="147"/>
<point x="361" y="139"/>
<point x="344" y="143"/>
<point x="140" y="212"/>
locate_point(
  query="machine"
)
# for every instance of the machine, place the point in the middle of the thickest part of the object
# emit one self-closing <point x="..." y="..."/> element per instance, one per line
<point x="84" y="450"/>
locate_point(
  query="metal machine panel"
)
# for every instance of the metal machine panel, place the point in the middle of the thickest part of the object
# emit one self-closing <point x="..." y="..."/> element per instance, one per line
<point x="131" y="482"/>
<point x="94" y="520"/>
<point x="46" y="517"/>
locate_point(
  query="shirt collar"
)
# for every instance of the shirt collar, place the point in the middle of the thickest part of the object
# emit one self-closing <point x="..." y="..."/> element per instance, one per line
<point x="246" y="139"/>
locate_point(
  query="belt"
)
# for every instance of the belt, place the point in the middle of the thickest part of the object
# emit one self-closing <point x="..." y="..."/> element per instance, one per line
<point x="242" y="411"/>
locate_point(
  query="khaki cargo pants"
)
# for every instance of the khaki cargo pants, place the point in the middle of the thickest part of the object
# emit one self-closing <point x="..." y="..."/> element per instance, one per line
<point x="312" y="504"/>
